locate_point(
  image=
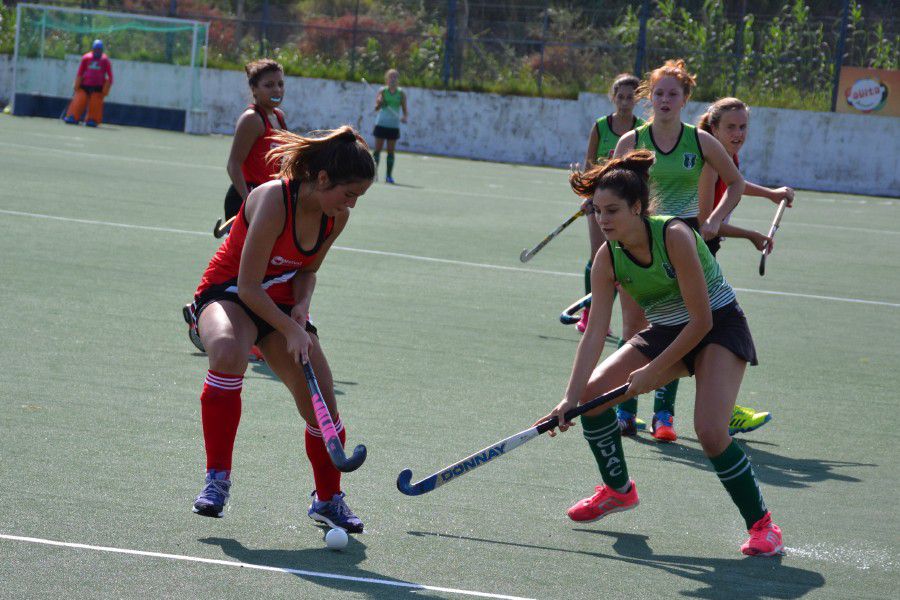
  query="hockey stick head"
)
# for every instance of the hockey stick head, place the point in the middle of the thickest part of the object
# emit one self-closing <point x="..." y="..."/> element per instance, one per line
<point x="347" y="465"/>
<point x="404" y="484"/>
<point x="568" y="316"/>
<point x="525" y="256"/>
<point x="221" y="229"/>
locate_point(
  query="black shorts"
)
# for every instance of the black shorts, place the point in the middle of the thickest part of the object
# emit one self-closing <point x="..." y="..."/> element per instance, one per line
<point x="233" y="200"/>
<point x="386" y="133"/>
<point x="729" y="330"/>
<point x="263" y="328"/>
<point x="714" y="244"/>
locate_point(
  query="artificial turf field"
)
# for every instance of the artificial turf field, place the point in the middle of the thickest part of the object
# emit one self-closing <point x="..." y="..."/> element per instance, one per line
<point x="441" y="342"/>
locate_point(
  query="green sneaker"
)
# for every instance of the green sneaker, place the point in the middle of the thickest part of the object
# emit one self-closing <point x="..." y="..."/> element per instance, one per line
<point x="745" y="420"/>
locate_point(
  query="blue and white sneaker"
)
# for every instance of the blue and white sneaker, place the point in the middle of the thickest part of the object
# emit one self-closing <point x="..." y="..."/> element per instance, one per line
<point x="627" y="422"/>
<point x="334" y="513"/>
<point x="212" y="499"/>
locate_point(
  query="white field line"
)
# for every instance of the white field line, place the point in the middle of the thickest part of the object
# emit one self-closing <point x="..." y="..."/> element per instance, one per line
<point x="550" y="197"/>
<point x="231" y="563"/>
<point x="445" y="261"/>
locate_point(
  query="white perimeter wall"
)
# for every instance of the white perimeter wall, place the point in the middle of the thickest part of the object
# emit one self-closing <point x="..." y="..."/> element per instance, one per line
<point x="809" y="150"/>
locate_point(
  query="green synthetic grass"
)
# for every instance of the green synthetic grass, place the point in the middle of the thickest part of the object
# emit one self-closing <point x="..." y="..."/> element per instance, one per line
<point x="101" y="441"/>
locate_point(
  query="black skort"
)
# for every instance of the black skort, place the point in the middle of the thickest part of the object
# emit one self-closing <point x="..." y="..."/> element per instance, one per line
<point x="233" y="200"/>
<point x="729" y="330"/>
<point x="386" y="133"/>
<point x="262" y="326"/>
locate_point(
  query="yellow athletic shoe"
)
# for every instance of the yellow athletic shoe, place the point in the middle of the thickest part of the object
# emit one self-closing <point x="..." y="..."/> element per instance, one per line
<point x="745" y="420"/>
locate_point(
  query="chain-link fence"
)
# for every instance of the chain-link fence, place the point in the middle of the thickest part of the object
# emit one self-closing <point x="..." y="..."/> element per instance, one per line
<point x="783" y="53"/>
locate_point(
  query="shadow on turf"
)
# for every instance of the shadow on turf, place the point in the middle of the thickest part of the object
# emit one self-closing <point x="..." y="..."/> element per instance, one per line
<point x="406" y="185"/>
<point x="771" y="468"/>
<point x="722" y="578"/>
<point x="321" y="560"/>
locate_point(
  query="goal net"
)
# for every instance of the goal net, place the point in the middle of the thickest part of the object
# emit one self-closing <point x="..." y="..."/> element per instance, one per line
<point x="158" y="64"/>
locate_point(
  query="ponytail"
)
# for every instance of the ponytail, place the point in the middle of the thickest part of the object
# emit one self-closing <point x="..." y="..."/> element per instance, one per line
<point x="627" y="176"/>
<point x="342" y="153"/>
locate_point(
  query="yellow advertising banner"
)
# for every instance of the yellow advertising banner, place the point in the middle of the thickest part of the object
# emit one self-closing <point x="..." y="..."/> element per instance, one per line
<point x="865" y="91"/>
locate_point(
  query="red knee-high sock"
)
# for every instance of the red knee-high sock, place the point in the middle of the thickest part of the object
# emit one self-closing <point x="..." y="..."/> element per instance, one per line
<point x="326" y="476"/>
<point x="220" y="408"/>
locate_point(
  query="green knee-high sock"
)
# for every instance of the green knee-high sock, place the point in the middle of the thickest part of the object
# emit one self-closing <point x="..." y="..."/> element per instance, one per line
<point x="602" y="434"/>
<point x="390" y="164"/>
<point x="664" y="397"/>
<point x="377" y="156"/>
<point x="736" y="474"/>
<point x="587" y="276"/>
<point x="630" y="405"/>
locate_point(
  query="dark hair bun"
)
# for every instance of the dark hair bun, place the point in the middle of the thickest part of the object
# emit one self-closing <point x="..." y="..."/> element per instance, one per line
<point x="638" y="161"/>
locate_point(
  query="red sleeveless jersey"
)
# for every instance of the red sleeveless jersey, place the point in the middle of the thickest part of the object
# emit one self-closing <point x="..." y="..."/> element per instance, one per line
<point x="255" y="168"/>
<point x="720" y="185"/>
<point x="286" y="259"/>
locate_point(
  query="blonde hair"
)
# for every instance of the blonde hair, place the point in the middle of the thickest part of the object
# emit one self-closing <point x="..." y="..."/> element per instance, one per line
<point x="714" y="113"/>
<point x="342" y="153"/>
<point x="676" y="68"/>
<point x="627" y="176"/>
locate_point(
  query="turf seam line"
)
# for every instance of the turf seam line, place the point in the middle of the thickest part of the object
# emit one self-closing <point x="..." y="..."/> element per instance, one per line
<point x="231" y="563"/>
<point x="446" y="261"/>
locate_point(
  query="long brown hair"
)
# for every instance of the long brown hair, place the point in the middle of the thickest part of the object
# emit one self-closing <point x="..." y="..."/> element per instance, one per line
<point x="627" y="176"/>
<point x="714" y="113"/>
<point x="342" y="153"/>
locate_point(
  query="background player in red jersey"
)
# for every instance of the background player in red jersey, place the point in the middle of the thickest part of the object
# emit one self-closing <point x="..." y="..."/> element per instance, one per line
<point x="92" y="83"/>
<point x="254" y="133"/>
<point x="258" y="289"/>
<point x="727" y="120"/>
<point x="254" y="136"/>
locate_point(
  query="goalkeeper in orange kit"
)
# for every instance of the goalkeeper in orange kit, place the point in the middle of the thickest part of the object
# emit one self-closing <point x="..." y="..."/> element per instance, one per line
<point x="92" y="84"/>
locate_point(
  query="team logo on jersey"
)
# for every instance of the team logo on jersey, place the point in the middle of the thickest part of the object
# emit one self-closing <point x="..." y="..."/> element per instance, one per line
<point x="690" y="159"/>
<point x="279" y="261"/>
<point x="669" y="270"/>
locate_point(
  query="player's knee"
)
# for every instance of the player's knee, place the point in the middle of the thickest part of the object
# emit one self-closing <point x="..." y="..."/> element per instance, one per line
<point x="226" y="354"/>
<point x="713" y="437"/>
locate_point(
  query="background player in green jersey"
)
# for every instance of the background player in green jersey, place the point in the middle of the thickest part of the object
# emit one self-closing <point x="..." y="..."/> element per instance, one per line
<point x="605" y="134"/>
<point x="389" y="101"/>
<point x="695" y="327"/>
<point x="682" y="153"/>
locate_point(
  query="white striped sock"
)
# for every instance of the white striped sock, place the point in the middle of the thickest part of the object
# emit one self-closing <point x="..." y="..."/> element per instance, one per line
<point x="224" y="383"/>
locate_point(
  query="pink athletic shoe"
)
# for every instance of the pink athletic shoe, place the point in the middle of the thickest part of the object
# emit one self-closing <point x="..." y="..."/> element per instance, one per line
<point x="765" y="538"/>
<point x="606" y="501"/>
<point x="582" y="324"/>
<point x="257" y="354"/>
